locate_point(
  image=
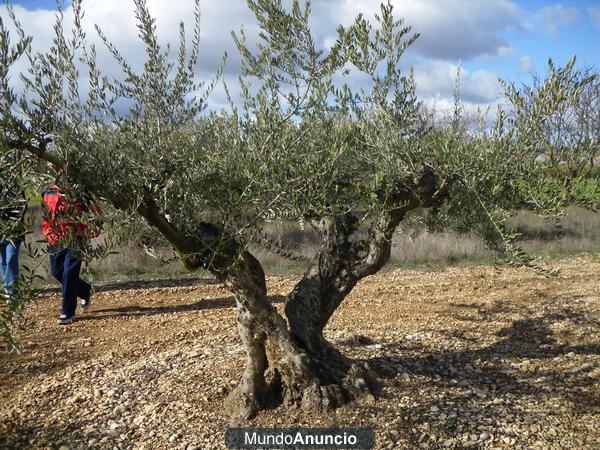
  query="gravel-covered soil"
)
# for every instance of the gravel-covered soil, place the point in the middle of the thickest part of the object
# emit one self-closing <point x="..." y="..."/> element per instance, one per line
<point x="468" y="357"/>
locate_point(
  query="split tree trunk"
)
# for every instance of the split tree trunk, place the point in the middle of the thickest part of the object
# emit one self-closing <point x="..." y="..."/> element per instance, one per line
<point x="277" y="369"/>
<point x="280" y="368"/>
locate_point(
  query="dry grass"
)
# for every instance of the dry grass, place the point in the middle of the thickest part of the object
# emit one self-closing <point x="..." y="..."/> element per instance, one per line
<point x="446" y="248"/>
<point x="580" y="233"/>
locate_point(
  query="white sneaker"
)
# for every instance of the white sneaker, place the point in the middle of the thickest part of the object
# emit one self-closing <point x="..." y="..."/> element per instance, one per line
<point x="66" y="320"/>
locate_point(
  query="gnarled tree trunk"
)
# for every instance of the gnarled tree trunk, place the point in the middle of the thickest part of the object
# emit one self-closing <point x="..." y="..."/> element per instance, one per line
<point x="275" y="365"/>
<point x="277" y="369"/>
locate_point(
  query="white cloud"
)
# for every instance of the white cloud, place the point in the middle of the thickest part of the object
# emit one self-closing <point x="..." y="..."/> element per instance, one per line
<point x="460" y="29"/>
<point x="116" y="19"/>
<point x="526" y="64"/>
<point x="442" y="109"/>
<point x="505" y="51"/>
<point x="557" y="16"/>
<point x="594" y="12"/>
<point x="436" y="79"/>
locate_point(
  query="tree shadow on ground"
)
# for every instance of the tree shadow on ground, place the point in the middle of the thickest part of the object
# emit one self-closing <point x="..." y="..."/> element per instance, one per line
<point x="20" y="435"/>
<point x="141" y="284"/>
<point x="201" y="305"/>
<point x="493" y="382"/>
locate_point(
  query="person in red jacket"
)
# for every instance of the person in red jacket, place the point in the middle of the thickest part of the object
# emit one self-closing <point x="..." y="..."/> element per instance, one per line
<point x="64" y="230"/>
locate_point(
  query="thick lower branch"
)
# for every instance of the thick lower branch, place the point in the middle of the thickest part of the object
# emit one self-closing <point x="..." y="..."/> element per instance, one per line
<point x="341" y="262"/>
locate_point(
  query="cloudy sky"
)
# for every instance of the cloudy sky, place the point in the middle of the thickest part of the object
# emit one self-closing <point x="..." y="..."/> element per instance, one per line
<point x="490" y="39"/>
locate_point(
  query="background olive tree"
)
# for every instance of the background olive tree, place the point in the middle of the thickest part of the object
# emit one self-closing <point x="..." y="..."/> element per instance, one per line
<point x="303" y="144"/>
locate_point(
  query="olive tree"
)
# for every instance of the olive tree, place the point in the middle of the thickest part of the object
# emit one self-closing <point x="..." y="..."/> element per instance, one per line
<point x="304" y="144"/>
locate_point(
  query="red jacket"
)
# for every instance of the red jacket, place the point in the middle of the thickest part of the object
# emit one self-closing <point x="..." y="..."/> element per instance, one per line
<point x="61" y="221"/>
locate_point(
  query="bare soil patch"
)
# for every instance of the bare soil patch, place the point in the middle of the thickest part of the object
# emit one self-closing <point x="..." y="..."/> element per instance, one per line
<point x="468" y="357"/>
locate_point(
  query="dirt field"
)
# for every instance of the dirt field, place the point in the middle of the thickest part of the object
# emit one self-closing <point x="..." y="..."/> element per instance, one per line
<point x="468" y="357"/>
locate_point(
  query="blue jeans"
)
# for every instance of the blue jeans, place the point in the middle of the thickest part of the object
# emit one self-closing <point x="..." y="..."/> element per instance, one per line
<point x="9" y="264"/>
<point x="65" y="267"/>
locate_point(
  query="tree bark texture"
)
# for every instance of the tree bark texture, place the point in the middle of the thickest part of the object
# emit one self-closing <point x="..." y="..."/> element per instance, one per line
<point x="341" y="262"/>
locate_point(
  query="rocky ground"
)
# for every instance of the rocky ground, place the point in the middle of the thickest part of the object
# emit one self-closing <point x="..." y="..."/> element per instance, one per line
<point x="468" y="357"/>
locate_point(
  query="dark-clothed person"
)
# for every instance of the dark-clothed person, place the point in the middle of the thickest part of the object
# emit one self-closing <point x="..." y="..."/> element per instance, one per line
<point x="64" y="230"/>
